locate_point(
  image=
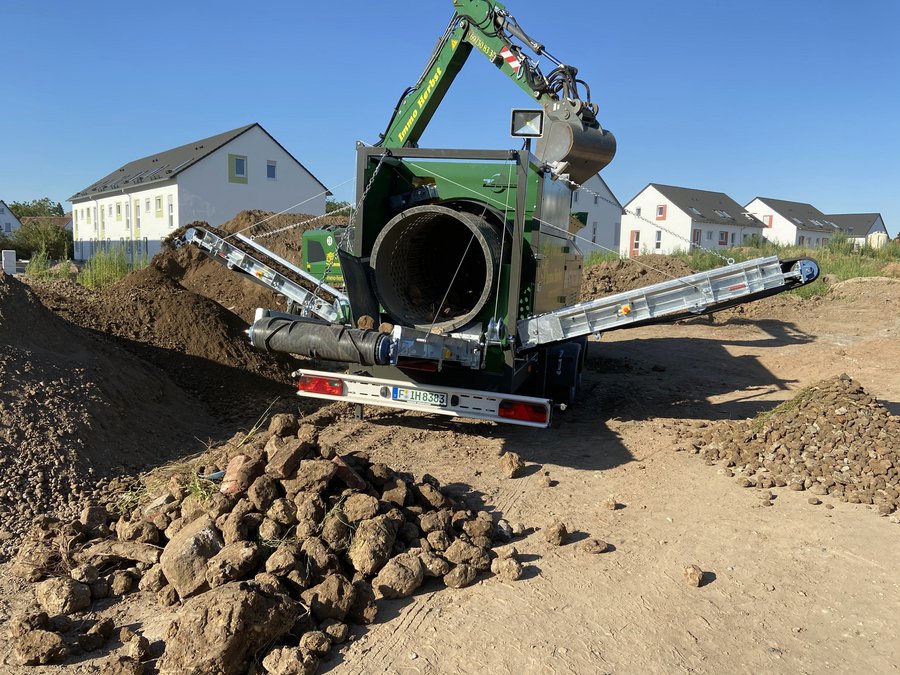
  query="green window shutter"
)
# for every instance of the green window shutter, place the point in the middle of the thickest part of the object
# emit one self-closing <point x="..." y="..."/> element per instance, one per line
<point x="235" y="163"/>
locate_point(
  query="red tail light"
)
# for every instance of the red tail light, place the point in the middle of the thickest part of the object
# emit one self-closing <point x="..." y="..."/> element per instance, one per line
<point x="524" y="411"/>
<point x="320" y="385"/>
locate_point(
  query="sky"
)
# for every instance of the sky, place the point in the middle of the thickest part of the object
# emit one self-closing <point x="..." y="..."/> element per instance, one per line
<point x="790" y="99"/>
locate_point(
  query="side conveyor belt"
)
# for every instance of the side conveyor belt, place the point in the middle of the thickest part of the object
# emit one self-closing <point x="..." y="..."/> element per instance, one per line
<point x="696" y="294"/>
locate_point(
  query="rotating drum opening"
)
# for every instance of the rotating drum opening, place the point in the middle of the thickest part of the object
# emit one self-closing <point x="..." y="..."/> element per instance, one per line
<point x="434" y="265"/>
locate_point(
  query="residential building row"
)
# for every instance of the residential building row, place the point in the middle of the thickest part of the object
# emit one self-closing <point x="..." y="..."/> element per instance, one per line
<point x="139" y="204"/>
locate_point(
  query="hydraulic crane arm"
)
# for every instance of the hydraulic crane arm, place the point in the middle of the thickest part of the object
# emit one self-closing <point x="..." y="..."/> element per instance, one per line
<point x="573" y="140"/>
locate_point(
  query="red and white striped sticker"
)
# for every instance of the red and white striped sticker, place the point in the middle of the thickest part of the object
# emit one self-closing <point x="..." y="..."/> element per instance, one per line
<point x="511" y="59"/>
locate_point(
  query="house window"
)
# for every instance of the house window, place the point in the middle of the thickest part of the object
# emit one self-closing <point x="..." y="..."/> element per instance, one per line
<point x="157" y="202"/>
<point x="637" y="212"/>
<point x="636" y="240"/>
<point x="723" y="238"/>
<point x="661" y="212"/>
<point x="8" y="227"/>
<point x="171" y="211"/>
<point x="695" y="211"/>
<point x="824" y="241"/>
<point x="110" y="210"/>
<point x="594" y="234"/>
<point x="732" y="238"/>
<point x="696" y="235"/>
<point x="709" y="235"/>
<point x="237" y="169"/>
<point x="817" y="241"/>
<point x="767" y="221"/>
<point x="800" y="241"/>
<point x="658" y="239"/>
<point x="147" y="205"/>
<point x="2" y="209"/>
<point x="575" y="197"/>
<point x="118" y="211"/>
<point x="797" y="220"/>
<point x="722" y="214"/>
<point x="596" y="199"/>
<point x="270" y="170"/>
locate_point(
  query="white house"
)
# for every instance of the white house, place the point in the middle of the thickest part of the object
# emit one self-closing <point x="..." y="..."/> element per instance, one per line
<point x="8" y="221"/>
<point x="597" y="207"/>
<point x="792" y="223"/>
<point x="139" y="204"/>
<point x="665" y="219"/>
<point x="859" y="225"/>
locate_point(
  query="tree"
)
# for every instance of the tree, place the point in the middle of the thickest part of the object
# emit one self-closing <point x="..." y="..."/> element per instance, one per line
<point x="41" y="236"/>
<point x="37" y="207"/>
<point x="332" y="205"/>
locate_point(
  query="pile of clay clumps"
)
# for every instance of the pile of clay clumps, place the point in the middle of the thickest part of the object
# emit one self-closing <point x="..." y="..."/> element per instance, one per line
<point x="833" y="438"/>
<point x="264" y="549"/>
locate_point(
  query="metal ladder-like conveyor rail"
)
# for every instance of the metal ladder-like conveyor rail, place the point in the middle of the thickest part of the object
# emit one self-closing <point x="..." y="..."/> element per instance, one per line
<point x="335" y="311"/>
<point x="696" y="294"/>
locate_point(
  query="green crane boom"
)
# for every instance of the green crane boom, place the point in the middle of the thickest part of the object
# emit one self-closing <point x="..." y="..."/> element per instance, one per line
<point x="573" y="141"/>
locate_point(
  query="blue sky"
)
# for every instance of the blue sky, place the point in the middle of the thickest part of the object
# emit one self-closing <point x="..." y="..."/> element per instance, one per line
<point x="795" y="99"/>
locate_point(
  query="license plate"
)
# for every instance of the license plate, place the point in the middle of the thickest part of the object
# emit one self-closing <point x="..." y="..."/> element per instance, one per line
<point x="418" y="396"/>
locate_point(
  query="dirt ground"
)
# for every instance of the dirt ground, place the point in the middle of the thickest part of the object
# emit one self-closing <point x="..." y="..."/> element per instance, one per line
<point x="790" y="588"/>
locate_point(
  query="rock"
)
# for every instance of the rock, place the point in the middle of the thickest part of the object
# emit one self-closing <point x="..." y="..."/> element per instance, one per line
<point x="319" y="560"/>
<point x="104" y="627"/>
<point x="372" y="544"/>
<point x="460" y="576"/>
<point x="610" y="503"/>
<point x="99" y="589"/>
<point x="85" y="574"/>
<point x="546" y="482"/>
<point x="61" y="595"/>
<point x="400" y="577"/>
<point x="556" y="533"/>
<point x="185" y="558"/>
<point x="140" y="531"/>
<point x="358" y="507"/>
<point x="25" y="623"/>
<point x="167" y="596"/>
<point x="235" y="561"/>
<point x="240" y="473"/>
<point x="138" y="648"/>
<point x="34" y="559"/>
<point x="109" y="551"/>
<point x="283" y="424"/>
<point x="336" y="531"/>
<point x="220" y="631"/>
<point x="503" y="531"/>
<point x="461" y="552"/>
<point x="430" y="497"/>
<point x="283" y="512"/>
<point x="283" y="560"/>
<point x="508" y="569"/>
<point x="313" y="475"/>
<point x="310" y="511"/>
<point x="331" y="599"/>
<point x="39" y="647"/>
<point x="290" y="661"/>
<point x="815" y="501"/>
<point x="364" y="608"/>
<point x="435" y="566"/>
<point x="693" y="575"/>
<point x="594" y="546"/>
<point x="262" y="493"/>
<point x="93" y="517"/>
<point x="315" y="642"/>
<point x="336" y="631"/>
<point x="348" y="474"/>
<point x="396" y="491"/>
<point x="119" y="664"/>
<point x="480" y="527"/>
<point x="511" y="465"/>
<point x="435" y="520"/>
<point x="285" y="461"/>
<point x="120" y="583"/>
<point x="439" y="540"/>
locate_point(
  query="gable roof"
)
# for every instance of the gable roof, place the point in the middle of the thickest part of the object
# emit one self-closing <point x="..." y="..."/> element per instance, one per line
<point x="166" y="165"/>
<point x="9" y="211"/>
<point x="604" y="187"/>
<point x="858" y="223"/>
<point x="704" y="206"/>
<point x="809" y="216"/>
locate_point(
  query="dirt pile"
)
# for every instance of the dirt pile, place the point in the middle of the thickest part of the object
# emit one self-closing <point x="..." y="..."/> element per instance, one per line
<point x="75" y="408"/>
<point x="269" y="542"/>
<point x="615" y="276"/>
<point x="833" y="438"/>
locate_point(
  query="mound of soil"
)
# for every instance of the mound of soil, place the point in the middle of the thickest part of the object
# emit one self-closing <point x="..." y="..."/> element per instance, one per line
<point x="616" y="276"/>
<point x="832" y="438"/>
<point x="74" y="408"/>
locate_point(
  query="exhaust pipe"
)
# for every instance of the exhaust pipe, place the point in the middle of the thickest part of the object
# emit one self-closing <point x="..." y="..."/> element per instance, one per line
<point x="435" y="267"/>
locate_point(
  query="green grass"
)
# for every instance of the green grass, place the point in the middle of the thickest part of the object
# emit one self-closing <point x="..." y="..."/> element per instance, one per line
<point x="105" y="269"/>
<point x="41" y="267"/>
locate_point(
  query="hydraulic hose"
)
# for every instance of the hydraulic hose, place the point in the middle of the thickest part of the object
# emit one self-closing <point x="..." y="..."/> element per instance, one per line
<point x="321" y="340"/>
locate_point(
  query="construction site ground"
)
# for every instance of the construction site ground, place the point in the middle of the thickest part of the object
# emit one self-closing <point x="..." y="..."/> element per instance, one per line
<point x="792" y="587"/>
